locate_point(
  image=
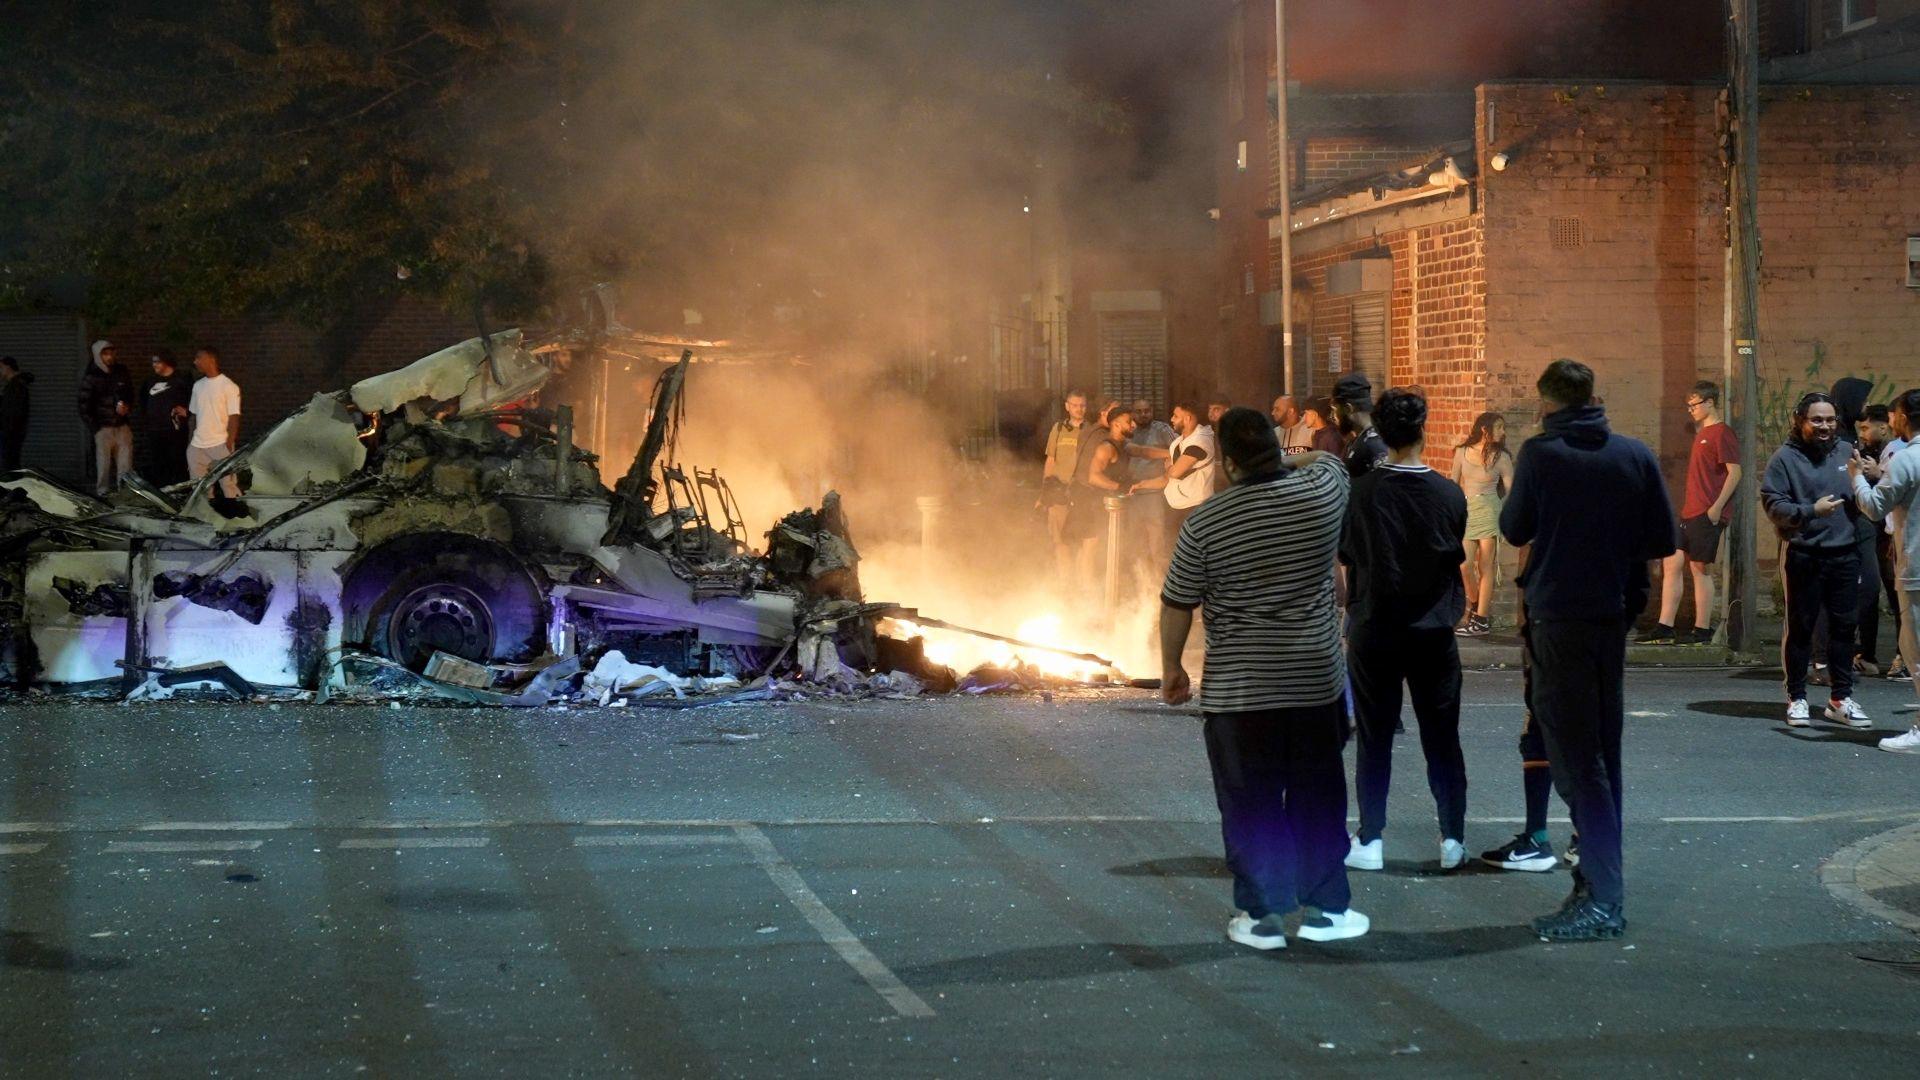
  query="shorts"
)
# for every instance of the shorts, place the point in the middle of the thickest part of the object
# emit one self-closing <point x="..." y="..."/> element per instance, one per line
<point x="1700" y="539"/>
<point x="1483" y="517"/>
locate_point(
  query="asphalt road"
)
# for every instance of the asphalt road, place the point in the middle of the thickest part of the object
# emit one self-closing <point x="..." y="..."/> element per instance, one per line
<point x="938" y="888"/>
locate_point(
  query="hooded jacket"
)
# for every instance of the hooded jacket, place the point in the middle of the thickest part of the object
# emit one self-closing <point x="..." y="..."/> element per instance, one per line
<point x="1594" y="507"/>
<point x="1797" y="476"/>
<point x="13" y="405"/>
<point x="1850" y="402"/>
<point x="101" y="389"/>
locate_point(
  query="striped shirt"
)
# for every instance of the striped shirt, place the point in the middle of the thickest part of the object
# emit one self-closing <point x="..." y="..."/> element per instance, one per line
<point x="1258" y="561"/>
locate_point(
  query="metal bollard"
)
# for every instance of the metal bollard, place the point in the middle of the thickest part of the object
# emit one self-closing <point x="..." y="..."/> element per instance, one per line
<point x="1113" y="504"/>
<point x="930" y="507"/>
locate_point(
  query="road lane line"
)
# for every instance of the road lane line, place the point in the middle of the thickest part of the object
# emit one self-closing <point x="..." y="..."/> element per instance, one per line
<point x="22" y="849"/>
<point x="34" y="827"/>
<point x="391" y="843"/>
<point x="828" y="925"/>
<point x="177" y="847"/>
<point x="640" y="840"/>
<point x="214" y="826"/>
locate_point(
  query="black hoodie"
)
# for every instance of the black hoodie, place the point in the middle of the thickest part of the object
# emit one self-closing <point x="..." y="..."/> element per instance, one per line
<point x="1594" y="506"/>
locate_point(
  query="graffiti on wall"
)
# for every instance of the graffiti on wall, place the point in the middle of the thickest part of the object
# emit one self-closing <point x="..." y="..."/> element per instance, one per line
<point x="1779" y="396"/>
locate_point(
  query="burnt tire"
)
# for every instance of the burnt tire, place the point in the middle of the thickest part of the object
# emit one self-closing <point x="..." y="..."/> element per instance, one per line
<point x="467" y="598"/>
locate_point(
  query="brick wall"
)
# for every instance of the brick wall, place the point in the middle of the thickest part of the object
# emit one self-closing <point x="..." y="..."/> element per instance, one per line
<point x="1632" y="178"/>
<point x="1435" y="321"/>
<point x="281" y="364"/>
<point x="1605" y="243"/>
<point x="1346" y="157"/>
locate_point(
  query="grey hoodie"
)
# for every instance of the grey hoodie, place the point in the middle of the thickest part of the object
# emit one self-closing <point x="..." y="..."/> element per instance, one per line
<point x="1897" y="496"/>
<point x="1797" y="477"/>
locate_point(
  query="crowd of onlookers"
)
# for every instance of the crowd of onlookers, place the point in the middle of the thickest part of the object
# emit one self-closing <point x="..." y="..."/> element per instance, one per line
<point x="1335" y="578"/>
<point x="167" y="428"/>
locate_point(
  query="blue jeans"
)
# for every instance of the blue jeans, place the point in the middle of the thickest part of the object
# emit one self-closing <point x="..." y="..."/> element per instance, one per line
<point x="1282" y="789"/>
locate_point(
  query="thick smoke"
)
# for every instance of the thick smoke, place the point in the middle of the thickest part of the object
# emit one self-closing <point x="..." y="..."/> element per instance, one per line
<point x="847" y="191"/>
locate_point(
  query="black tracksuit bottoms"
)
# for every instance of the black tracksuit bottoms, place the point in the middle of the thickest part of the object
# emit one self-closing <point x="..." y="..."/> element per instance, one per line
<point x="1427" y="662"/>
<point x="1579" y="671"/>
<point x="1820" y="581"/>
<point x="1282" y="789"/>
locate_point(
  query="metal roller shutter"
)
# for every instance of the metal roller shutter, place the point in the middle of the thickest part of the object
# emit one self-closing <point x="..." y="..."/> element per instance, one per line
<point x="54" y="349"/>
<point x="1370" y="338"/>
<point x="1133" y="357"/>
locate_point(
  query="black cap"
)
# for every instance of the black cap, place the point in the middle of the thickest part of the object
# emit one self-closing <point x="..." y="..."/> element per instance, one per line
<point x="1353" y="389"/>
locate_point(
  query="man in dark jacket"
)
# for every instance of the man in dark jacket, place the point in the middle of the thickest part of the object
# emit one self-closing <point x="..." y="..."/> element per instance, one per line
<point x="13" y="412"/>
<point x="165" y="425"/>
<point x="1594" y="507"/>
<point x="1808" y="496"/>
<point x="1402" y="547"/>
<point x="106" y="405"/>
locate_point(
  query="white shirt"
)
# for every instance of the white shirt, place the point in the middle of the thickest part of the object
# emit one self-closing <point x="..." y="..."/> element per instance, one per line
<point x="214" y="400"/>
<point x="1192" y="489"/>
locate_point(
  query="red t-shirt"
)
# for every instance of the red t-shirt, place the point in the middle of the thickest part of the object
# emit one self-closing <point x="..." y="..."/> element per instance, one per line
<point x="1714" y="448"/>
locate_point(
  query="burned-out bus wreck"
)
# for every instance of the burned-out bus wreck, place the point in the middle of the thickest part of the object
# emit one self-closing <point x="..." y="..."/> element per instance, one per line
<point x="425" y="526"/>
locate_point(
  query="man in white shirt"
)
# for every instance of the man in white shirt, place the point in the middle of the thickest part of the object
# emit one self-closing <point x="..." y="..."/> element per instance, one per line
<point x="1193" y="459"/>
<point x="215" y="406"/>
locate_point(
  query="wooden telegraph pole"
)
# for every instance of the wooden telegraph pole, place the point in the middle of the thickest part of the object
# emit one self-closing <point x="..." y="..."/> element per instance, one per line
<point x="1743" y="382"/>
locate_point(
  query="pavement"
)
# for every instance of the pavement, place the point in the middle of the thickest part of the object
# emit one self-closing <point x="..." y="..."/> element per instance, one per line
<point x="956" y="888"/>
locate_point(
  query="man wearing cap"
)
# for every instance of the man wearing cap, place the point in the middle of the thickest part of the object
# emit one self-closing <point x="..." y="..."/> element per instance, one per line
<point x="163" y="413"/>
<point x="1353" y="403"/>
<point x="106" y="403"/>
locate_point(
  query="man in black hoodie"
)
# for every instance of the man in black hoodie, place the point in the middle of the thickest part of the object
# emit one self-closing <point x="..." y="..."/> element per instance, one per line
<point x="1594" y="507"/>
<point x="1807" y="495"/>
<point x="13" y="412"/>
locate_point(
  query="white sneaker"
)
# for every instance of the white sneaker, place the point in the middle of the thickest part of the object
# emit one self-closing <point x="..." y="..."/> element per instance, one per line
<point x="1331" y="927"/>
<point x="1452" y="854"/>
<point x="1263" y="934"/>
<point x="1848" y="712"/>
<point x="1797" y="713"/>
<point x="1370" y="856"/>
<point x="1908" y="743"/>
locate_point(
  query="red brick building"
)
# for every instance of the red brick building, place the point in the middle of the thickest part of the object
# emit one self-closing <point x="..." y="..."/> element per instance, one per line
<point x="1538" y="219"/>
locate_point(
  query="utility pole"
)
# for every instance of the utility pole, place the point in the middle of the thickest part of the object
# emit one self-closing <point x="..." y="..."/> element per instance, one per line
<point x="1743" y="383"/>
<point x="1286" y="199"/>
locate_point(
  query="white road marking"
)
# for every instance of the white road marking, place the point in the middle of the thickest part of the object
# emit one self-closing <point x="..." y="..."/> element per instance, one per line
<point x="1742" y="820"/>
<point x="639" y="840"/>
<point x="828" y="925"/>
<point x="408" y="842"/>
<point x="214" y="826"/>
<point x="22" y="849"/>
<point x="174" y="847"/>
<point x="34" y="827"/>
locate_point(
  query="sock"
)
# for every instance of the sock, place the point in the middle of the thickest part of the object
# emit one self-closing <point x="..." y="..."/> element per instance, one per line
<point x="1538" y="784"/>
<point x="1539" y="836"/>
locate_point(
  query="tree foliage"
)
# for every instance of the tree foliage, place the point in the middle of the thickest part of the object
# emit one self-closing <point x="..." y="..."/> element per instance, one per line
<point x="231" y="155"/>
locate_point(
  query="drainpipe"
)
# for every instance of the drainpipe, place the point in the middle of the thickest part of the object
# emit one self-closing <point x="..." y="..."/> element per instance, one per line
<point x="1113" y="504"/>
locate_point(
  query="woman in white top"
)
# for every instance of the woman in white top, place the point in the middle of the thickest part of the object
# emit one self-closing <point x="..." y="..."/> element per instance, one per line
<point x="1484" y="470"/>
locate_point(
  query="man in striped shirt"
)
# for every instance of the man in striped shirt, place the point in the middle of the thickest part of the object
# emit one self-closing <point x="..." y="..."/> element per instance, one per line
<point x="1258" y="559"/>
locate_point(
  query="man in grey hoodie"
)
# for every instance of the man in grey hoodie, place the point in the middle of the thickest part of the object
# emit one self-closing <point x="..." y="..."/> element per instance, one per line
<point x="1897" y="496"/>
<point x="1808" y="496"/>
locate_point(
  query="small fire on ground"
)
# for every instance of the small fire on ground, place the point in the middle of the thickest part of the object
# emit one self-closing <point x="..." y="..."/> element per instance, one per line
<point x="964" y="653"/>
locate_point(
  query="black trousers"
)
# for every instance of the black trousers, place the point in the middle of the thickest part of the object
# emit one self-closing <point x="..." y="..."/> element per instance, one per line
<point x="1579" y="672"/>
<point x="1883" y="559"/>
<point x="1282" y="790"/>
<point x="1823" y="581"/>
<point x="1427" y="662"/>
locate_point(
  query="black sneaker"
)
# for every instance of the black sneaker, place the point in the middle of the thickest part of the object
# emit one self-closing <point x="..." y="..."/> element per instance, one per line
<point x="1899" y="673"/>
<point x="1661" y="634"/>
<point x="1699" y="635"/>
<point x="1521" y="853"/>
<point x="1588" y="920"/>
<point x="1475" y="627"/>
